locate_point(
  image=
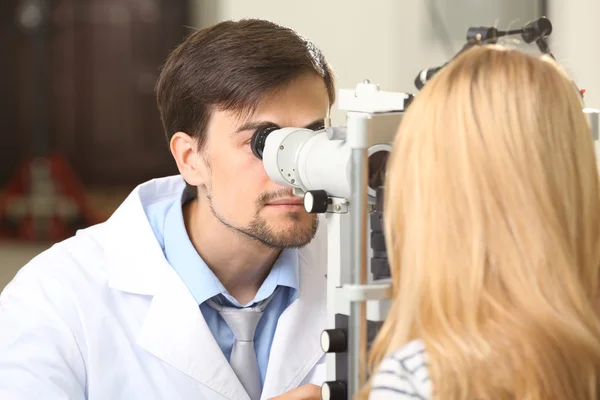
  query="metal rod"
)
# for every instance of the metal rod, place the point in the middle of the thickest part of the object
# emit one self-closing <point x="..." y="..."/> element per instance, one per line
<point x="358" y="138"/>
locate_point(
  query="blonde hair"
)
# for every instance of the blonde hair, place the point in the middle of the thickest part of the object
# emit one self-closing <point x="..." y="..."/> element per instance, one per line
<point x="492" y="214"/>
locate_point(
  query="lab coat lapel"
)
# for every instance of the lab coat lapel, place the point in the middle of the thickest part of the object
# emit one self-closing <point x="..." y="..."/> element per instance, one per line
<point x="296" y="347"/>
<point x="174" y="329"/>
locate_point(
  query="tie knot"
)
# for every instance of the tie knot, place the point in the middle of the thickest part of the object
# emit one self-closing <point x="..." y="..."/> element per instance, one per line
<point x="242" y="322"/>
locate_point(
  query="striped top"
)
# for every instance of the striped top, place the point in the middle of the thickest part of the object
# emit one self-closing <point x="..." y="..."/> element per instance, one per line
<point x="403" y="375"/>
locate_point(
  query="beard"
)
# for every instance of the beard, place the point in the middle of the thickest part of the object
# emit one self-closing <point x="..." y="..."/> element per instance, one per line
<point x="297" y="232"/>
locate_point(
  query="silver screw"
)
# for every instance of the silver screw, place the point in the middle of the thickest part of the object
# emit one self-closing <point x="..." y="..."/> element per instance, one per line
<point x="337" y="207"/>
<point x="280" y="147"/>
<point x="293" y="180"/>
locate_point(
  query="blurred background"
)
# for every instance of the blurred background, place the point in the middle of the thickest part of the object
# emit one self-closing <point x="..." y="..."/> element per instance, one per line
<point x="79" y="128"/>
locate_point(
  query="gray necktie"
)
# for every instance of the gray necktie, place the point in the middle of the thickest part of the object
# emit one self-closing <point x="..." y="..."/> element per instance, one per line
<point x="243" y="323"/>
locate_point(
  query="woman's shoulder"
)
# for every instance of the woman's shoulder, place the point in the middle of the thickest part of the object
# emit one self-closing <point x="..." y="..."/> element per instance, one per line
<point x="403" y="374"/>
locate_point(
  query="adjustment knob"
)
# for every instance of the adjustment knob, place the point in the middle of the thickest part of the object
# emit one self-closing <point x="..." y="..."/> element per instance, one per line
<point x="334" y="341"/>
<point x="316" y="201"/>
<point x="334" y="390"/>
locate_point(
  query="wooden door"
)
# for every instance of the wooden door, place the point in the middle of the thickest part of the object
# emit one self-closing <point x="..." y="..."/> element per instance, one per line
<point x="103" y="59"/>
<point x="11" y="133"/>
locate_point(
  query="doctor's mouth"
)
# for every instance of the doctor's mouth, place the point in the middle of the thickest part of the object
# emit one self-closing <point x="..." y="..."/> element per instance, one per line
<point x="287" y="204"/>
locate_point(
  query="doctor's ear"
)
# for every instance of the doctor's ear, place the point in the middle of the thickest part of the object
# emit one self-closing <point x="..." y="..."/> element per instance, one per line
<point x="190" y="162"/>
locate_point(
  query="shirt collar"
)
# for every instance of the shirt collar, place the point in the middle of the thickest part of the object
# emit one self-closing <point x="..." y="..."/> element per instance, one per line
<point x="198" y="277"/>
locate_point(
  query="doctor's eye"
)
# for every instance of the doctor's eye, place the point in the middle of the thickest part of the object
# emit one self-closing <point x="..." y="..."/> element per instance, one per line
<point x="316" y="127"/>
<point x="261" y="132"/>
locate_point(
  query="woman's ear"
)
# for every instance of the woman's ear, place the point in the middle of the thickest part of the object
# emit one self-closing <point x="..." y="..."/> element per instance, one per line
<point x="191" y="164"/>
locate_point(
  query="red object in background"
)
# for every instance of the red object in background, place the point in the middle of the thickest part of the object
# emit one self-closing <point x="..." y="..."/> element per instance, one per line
<point x="582" y="91"/>
<point x="44" y="201"/>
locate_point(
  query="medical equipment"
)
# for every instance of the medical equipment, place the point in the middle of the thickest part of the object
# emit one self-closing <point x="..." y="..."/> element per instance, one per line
<point x="338" y="171"/>
<point x="333" y="169"/>
<point x="535" y="31"/>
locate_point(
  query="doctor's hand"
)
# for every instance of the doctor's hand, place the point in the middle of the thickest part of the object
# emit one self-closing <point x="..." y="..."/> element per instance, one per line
<point x="304" y="392"/>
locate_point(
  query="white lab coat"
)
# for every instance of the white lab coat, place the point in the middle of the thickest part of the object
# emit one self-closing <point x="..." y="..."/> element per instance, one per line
<point x="103" y="316"/>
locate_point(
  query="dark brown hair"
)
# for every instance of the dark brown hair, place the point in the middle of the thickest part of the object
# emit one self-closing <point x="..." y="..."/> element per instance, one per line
<point x="232" y="66"/>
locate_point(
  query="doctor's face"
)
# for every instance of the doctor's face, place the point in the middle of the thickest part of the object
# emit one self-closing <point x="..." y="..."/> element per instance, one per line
<point x="240" y="193"/>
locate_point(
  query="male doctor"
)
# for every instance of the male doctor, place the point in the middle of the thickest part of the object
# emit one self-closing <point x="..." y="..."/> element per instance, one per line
<point x="206" y="285"/>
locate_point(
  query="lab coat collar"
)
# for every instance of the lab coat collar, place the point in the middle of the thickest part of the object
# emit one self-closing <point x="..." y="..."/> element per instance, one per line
<point x="136" y="259"/>
<point x="174" y="329"/>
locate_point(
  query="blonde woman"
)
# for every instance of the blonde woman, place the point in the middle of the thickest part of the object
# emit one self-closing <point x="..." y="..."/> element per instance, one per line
<point x="493" y="232"/>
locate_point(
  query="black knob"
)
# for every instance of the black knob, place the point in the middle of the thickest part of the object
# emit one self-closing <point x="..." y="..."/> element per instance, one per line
<point x="535" y="30"/>
<point x="334" y="341"/>
<point x="316" y="201"/>
<point x="334" y="390"/>
<point x="482" y="34"/>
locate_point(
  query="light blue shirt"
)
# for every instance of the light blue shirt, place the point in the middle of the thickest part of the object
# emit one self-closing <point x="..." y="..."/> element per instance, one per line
<point x="166" y="219"/>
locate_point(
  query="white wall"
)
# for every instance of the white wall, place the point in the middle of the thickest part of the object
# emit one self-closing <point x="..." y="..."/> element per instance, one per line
<point x="574" y="40"/>
<point x="576" y="30"/>
<point x="386" y="41"/>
